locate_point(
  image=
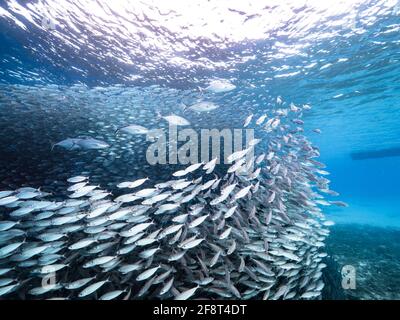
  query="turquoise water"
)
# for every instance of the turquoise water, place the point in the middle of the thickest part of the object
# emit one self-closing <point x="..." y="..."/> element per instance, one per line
<point x="340" y="57"/>
<point x="371" y="187"/>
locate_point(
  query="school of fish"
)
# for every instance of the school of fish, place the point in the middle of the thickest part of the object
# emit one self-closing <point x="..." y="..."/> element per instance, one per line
<point x="252" y="229"/>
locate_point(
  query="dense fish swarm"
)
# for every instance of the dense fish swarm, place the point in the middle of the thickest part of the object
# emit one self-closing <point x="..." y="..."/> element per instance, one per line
<point x="48" y="132"/>
<point x="252" y="229"/>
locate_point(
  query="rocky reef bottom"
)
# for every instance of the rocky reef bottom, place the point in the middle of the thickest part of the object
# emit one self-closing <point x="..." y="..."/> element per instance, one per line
<point x="374" y="252"/>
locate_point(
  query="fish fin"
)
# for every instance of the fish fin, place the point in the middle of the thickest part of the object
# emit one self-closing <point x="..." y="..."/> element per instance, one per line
<point x="127" y="295"/>
<point x="174" y="291"/>
<point x="73" y="144"/>
<point x="184" y="107"/>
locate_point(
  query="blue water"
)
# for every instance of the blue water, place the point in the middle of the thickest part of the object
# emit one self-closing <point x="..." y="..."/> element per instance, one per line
<point x="340" y="57"/>
<point x="371" y="187"/>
